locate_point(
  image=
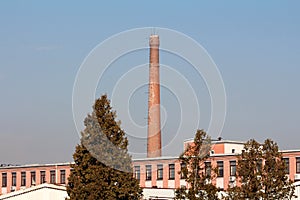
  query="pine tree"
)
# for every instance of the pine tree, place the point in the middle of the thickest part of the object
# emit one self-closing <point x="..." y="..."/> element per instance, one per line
<point x="198" y="178"/>
<point x="276" y="184"/>
<point x="102" y="168"/>
<point x="261" y="172"/>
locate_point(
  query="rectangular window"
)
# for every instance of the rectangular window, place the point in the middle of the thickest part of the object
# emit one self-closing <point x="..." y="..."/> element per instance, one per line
<point x="4" y="179"/>
<point x="298" y="165"/>
<point x="287" y="165"/>
<point x="62" y="176"/>
<point x="207" y="168"/>
<point x="160" y="172"/>
<point x="32" y="174"/>
<point x="137" y="172"/>
<point x="171" y="171"/>
<point x="183" y="167"/>
<point x="259" y="165"/>
<point x="14" y="179"/>
<point x="148" y="172"/>
<point x="43" y="177"/>
<point x="52" y="176"/>
<point x="220" y="166"/>
<point x="23" y="178"/>
<point x="232" y="168"/>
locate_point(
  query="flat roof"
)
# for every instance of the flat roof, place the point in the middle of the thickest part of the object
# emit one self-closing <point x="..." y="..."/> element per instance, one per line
<point x="35" y="165"/>
<point x="218" y="141"/>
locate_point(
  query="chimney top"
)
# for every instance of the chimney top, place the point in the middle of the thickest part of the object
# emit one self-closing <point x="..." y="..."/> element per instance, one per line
<point x="154" y="41"/>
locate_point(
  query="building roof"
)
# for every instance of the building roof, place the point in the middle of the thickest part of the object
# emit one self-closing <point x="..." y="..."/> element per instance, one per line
<point x="34" y="165"/>
<point x="45" y="186"/>
<point x="156" y="158"/>
<point x="218" y="141"/>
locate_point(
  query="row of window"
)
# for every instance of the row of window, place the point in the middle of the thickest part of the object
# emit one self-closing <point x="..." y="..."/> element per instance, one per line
<point x="287" y="165"/>
<point x="160" y="169"/>
<point x="220" y="167"/>
<point x="33" y="178"/>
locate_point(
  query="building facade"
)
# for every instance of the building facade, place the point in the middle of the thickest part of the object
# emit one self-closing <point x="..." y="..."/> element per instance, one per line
<point x="163" y="172"/>
<point x="15" y="178"/>
<point x="155" y="173"/>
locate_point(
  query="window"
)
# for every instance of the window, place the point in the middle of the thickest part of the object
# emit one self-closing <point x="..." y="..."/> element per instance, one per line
<point x="14" y="178"/>
<point x="43" y="177"/>
<point x="298" y="165"/>
<point x="160" y="172"/>
<point x="137" y="172"/>
<point x="148" y="172"/>
<point x="287" y="165"/>
<point x="232" y="168"/>
<point x="220" y="168"/>
<point x="183" y="166"/>
<point x="171" y="171"/>
<point x="259" y="165"/>
<point x="4" y="179"/>
<point x="62" y="176"/>
<point x="52" y="176"/>
<point x="32" y="174"/>
<point x="23" y="178"/>
<point x="232" y="150"/>
<point x="207" y="168"/>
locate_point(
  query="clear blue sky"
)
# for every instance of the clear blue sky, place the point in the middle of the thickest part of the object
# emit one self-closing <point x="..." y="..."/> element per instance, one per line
<point x="255" y="45"/>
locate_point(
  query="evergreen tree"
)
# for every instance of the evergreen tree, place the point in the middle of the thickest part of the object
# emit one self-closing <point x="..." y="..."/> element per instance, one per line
<point x="261" y="172"/>
<point x="102" y="168"/>
<point x="198" y="178"/>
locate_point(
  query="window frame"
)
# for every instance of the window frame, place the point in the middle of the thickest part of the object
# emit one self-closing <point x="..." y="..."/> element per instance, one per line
<point x="220" y="167"/>
<point x="14" y="179"/>
<point x="160" y="171"/>
<point x="148" y="172"/>
<point x="4" y="177"/>
<point x="33" y="178"/>
<point x="52" y="176"/>
<point x="42" y="177"/>
<point x="232" y="167"/>
<point x="171" y="171"/>
<point x="137" y="172"/>
<point x="286" y="161"/>
<point x="182" y="165"/>
<point x="62" y="176"/>
<point x="298" y="165"/>
<point x="23" y="178"/>
<point x="207" y="168"/>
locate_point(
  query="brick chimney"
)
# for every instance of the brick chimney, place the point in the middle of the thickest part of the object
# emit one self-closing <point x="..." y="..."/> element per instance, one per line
<point x="154" y="132"/>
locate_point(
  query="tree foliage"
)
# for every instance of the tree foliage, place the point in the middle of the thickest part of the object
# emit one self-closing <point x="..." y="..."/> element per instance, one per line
<point x="102" y="168"/>
<point x="261" y="173"/>
<point x="198" y="178"/>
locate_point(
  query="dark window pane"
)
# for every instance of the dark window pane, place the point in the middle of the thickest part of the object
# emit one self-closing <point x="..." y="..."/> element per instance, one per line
<point x="52" y="176"/>
<point x="183" y="167"/>
<point x="14" y="178"/>
<point x="298" y="165"/>
<point x="171" y="171"/>
<point x="137" y="172"/>
<point x="287" y="165"/>
<point x="23" y="178"/>
<point x="32" y="177"/>
<point x="207" y="168"/>
<point x="4" y="179"/>
<point x="220" y="168"/>
<point x="62" y="176"/>
<point x="43" y="177"/>
<point x="232" y="168"/>
<point x="159" y="172"/>
<point x="148" y="172"/>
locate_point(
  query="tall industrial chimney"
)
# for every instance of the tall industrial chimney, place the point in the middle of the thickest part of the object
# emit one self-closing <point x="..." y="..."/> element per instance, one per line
<point x="154" y="132"/>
